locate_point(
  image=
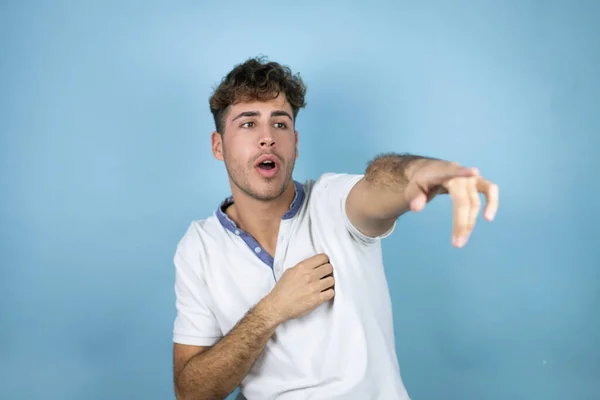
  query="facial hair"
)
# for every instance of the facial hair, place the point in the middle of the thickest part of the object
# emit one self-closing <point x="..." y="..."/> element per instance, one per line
<point x="240" y="176"/>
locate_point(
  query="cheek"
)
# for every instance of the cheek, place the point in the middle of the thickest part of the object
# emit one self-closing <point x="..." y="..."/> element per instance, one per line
<point x="237" y="150"/>
<point x="291" y="145"/>
<point x="287" y="140"/>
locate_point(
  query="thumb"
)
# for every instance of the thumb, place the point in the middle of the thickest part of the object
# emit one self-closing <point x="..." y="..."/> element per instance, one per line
<point x="418" y="203"/>
<point x="415" y="196"/>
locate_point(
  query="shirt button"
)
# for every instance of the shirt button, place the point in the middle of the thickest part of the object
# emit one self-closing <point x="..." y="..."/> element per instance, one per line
<point x="237" y="231"/>
<point x="257" y="249"/>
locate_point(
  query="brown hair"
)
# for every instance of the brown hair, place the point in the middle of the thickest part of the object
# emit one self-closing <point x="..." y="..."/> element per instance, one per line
<point x="256" y="79"/>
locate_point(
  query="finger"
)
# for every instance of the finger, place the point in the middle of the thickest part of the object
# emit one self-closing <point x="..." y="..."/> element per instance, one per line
<point x="474" y="210"/>
<point x="315" y="261"/>
<point x="462" y="207"/>
<point x="325" y="283"/>
<point x="326" y="295"/>
<point x="445" y="171"/>
<point x="415" y="196"/>
<point x="323" y="271"/>
<point x="491" y="192"/>
<point x="418" y="202"/>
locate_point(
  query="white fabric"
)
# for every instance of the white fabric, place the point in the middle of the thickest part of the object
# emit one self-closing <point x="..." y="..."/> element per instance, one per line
<point x="341" y="350"/>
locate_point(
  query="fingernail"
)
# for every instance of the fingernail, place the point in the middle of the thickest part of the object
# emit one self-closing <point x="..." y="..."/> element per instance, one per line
<point x="460" y="241"/>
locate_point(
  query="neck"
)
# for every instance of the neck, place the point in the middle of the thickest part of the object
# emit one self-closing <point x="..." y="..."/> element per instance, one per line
<point x="259" y="218"/>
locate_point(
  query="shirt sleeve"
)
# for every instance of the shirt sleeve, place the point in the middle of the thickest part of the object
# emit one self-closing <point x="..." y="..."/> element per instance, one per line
<point x="335" y="188"/>
<point x="195" y="324"/>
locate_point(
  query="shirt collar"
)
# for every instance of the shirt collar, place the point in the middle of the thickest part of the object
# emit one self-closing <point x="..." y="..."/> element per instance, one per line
<point x="291" y="213"/>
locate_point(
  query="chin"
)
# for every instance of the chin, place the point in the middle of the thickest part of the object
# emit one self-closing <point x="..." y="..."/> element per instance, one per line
<point x="267" y="190"/>
<point x="259" y="187"/>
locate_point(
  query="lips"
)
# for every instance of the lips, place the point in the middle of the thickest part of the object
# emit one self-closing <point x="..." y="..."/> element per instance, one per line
<point x="267" y="165"/>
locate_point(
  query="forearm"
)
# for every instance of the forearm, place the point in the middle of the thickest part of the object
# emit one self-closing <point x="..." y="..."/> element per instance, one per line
<point x="385" y="182"/>
<point x="216" y="372"/>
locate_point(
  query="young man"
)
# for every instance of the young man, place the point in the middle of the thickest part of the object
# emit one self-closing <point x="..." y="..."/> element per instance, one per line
<point x="282" y="290"/>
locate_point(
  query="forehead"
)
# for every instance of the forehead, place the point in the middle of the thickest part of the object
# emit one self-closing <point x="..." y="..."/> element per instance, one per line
<point x="264" y="107"/>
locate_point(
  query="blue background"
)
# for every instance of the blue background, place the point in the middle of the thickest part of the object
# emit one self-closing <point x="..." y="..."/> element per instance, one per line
<point x="105" y="159"/>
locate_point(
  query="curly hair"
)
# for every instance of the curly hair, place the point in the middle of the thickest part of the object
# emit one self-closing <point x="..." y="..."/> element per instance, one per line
<point x="256" y="79"/>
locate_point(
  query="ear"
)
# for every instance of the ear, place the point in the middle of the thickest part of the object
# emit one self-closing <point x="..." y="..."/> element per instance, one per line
<point x="296" y="136"/>
<point x="217" y="145"/>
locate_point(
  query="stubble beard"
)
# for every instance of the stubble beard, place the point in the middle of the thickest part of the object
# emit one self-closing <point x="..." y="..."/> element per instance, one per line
<point x="240" y="176"/>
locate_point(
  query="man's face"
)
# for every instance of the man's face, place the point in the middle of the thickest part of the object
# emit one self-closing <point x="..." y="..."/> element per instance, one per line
<point x="259" y="147"/>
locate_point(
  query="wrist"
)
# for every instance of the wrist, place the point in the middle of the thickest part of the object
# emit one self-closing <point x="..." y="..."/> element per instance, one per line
<point x="266" y="311"/>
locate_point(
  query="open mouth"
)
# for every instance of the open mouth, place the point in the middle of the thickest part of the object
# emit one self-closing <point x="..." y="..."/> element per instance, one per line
<point x="266" y="165"/>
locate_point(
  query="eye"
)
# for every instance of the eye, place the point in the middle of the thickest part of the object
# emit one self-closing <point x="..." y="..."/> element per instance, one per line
<point x="247" y="124"/>
<point x="280" y="125"/>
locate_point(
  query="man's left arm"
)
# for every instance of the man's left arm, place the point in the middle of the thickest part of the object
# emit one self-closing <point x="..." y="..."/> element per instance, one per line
<point x="396" y="183"/>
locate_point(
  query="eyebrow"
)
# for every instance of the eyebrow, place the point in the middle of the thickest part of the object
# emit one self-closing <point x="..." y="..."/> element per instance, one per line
<point x="276" y="113"/>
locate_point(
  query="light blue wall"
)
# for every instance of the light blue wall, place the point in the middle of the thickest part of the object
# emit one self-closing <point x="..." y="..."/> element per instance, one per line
<point x="105" y="159"/>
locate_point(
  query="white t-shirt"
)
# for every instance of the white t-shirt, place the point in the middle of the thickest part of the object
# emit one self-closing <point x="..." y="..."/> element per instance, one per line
<point x="343" y="349"/>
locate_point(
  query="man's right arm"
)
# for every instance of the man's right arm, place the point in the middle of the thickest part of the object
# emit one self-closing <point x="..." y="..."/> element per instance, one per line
<point x="214" y="372"/>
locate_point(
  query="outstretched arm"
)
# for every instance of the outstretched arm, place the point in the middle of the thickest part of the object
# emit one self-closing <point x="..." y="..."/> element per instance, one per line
<point x="396" y="183"/>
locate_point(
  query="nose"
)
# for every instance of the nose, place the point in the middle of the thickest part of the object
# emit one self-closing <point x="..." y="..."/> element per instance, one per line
<point x="266" y="141"/>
